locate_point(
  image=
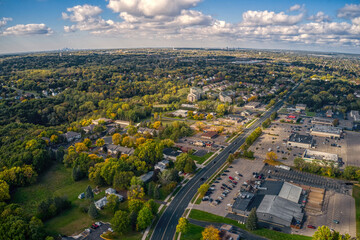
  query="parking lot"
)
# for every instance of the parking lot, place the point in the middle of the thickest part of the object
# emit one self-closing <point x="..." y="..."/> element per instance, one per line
<point x="242" y="166"/>
<point x="307" y="179"/>
<point x="352" y="149"/>
<point x="275" y="137"/>
<point x="335" y="215"/>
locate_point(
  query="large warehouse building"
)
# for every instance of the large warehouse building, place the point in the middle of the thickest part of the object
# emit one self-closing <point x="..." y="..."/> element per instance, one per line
<point x="277" y="205"/>
<point x="326" y="131"/>
<point x="302" y="141"/>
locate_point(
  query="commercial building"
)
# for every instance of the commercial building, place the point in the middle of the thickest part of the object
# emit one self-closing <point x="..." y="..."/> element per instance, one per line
<point x="280" y="211"/>
<point x="194" y="95"/>
<point x="321" y="158"/>
<point x="209" y="135"/>
<point x="322" y="121"/>
<point x="302" y="141"/>
<point x="180" y="113"/>
<point x="326" y="131"/>
<point x="277" y="205"/>
<point x="300" y="107"/>
<point x="252" y="105"/>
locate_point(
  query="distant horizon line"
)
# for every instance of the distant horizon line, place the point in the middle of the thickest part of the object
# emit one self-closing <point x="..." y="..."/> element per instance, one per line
<point x="178" y="48"/>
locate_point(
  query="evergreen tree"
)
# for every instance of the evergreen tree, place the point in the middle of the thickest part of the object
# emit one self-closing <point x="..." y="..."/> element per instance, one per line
<point x="251" y="222"/>
<point x="93" y="212"/>
<point x="89" y="193"/>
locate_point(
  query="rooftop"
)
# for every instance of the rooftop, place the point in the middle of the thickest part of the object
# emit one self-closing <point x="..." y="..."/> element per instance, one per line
<point x="171" y="152"/>
<point x="290" y="192"/>
<point x="326" y="129"/>
<point x="281" y="208"/>
<point x="320" y="155"/>
<point x="308" y="139"/>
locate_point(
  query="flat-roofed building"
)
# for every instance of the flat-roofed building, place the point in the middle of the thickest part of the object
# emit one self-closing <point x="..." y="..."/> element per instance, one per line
<point x="300" y="107"/>
<point x="290" y="192"/>
<point x="322" y="121"/>
<point x="209" y="135"/>
<point x="280" y="211"/>
<point x="326" y="131"/>
<point x="180" y="113"/>
<point x="252" y="105"/>
<point x="321" y="158"/>
<point x="302" y="141"/>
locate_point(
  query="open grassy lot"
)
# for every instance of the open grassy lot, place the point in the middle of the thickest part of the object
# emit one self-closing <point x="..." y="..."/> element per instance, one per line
<point x="202" y="159"/>
<point x="194" y="233"/>
<point x="356" y="195"/>
<point x="205" y="216"/>
<point x="58" y="182"/>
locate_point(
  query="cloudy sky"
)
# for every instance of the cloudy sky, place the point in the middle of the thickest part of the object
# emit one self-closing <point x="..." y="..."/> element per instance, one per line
<point x="37" y="25"/>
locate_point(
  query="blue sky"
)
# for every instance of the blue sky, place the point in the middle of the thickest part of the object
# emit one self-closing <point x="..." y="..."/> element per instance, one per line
<point x="38" y="25"/>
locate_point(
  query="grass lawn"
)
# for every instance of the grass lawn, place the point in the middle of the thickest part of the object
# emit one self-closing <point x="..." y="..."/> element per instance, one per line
<point x="194" y="233"/>
<point x="58" y="182"/>
<point x="310" y="114"/>
<point x="356" y="195"/>
<point x="274" y="235"/>
<point x="202" y="159"/>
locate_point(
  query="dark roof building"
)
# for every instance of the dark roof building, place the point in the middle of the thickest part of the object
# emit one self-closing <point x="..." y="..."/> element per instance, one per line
<point x="170" y="153"/>
<point x="209" y="135"/>
<point x="302" y="141"/>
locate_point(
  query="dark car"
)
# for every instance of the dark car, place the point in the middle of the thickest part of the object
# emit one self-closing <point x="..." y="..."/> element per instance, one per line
<point x="226" y="171"/>
<point x="230" y="166"/>
<point x="202" y="179"/>
<point x="224" y="174"/>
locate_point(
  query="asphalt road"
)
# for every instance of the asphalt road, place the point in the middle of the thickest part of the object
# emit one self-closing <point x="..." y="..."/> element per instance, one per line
<point x="166" y="226"/>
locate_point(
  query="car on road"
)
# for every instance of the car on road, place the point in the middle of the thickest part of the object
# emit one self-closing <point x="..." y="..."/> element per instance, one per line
<point x="202" y="179"/>
<point x="311" y="226"/>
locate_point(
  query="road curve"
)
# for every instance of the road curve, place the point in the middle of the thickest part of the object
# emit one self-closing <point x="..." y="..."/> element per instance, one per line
<point x="166" y="226"/>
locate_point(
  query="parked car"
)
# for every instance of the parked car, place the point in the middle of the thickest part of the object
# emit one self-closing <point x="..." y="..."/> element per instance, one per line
<point x="229" y="205"/>
<point x="206" y="198"/>
<point x="230" y="177"/>
<point x="237" y="178"/>
<point x="226" y="170"/>
<point x="311" y="226"/>
<point x="336" y="221"/>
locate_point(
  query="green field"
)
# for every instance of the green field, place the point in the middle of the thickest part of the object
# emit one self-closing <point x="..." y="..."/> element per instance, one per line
<point x="57" y="181"/>
<point x="310" y="114"/>
<point x="194" y="233"/>
<point x="208" y="217"/>
<point x="202" y="159"/>
<point x="356" y="195"/>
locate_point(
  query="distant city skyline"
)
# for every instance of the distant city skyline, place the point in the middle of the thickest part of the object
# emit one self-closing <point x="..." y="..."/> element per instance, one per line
<point x="42" y="25"/>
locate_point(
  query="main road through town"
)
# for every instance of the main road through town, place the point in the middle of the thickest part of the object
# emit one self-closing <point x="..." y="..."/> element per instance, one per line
<point x="166" y="226"/>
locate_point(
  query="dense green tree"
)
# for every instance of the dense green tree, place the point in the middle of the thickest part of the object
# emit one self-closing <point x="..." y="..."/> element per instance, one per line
<point x="144" y="218"/>
<point x="121" y="222"/>
<point x="183" y="225"/>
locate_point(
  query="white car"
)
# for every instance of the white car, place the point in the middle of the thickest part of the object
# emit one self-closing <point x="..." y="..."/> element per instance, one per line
<point x="237" y="178"/>
<point x="229" y="205"/>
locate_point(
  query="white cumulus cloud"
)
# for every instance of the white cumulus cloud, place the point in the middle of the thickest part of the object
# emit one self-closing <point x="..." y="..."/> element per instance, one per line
<point x="320" y="17"/>
<point x="263" y="18"/>
<point x="28" y="29"/>
<point x="349" y="11"/>
<point x="151" y="8"/>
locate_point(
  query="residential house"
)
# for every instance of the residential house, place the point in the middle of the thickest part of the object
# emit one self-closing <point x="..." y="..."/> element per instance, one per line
<point x="147" y="177"/>
<point x="116" y="149"/>
<point x="89" y="129"/>
<point x="71" y="136"/>
<point x="101" y="203"/>
<point x="162" y="165"/>
<point x="171" y="154"/>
